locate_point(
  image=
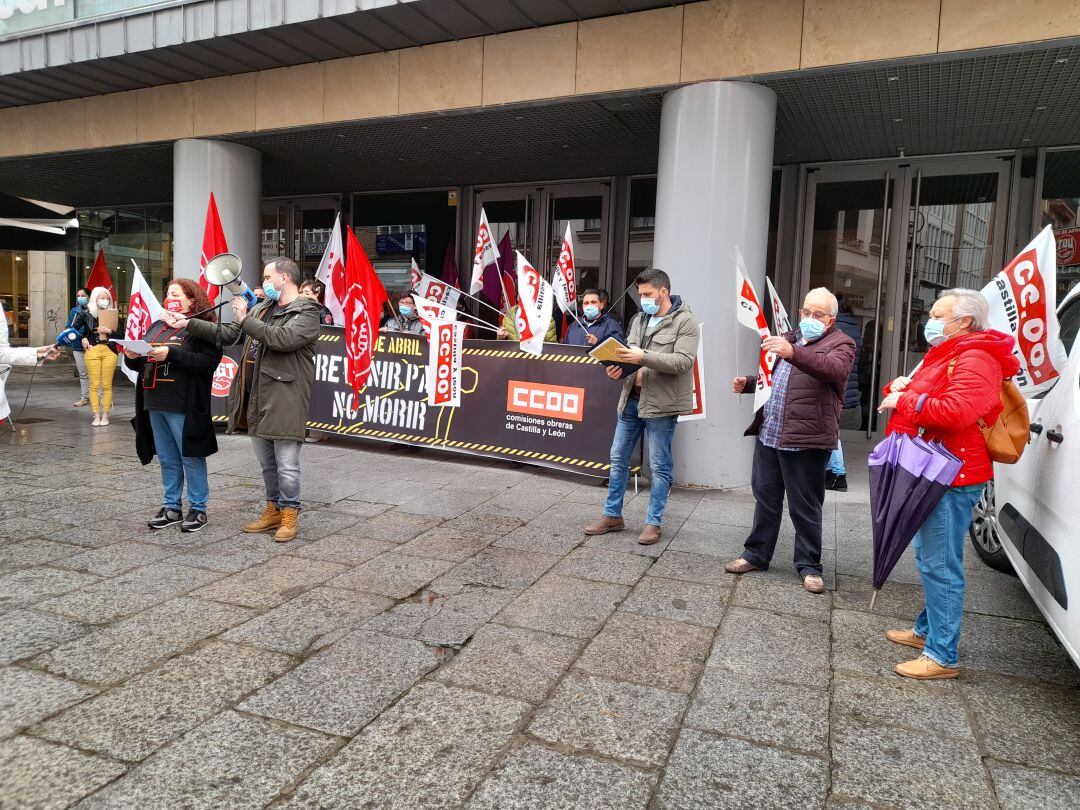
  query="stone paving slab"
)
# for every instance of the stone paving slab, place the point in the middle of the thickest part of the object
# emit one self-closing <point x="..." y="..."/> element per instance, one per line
<point x="773" y="646"/>
<point x="231" y="761"/>
<point x="27" y="696"/>
<point x="633" y="723"/>
<point x="30" y="585"/>
<point x="708" y="771"/>
<point x="118" y="558"/>
<point x="678" y="600"/>
<point x="604" y="566"/>
<point x="25" y="633"/>
<point x="1020" y="788"/>
<point x="893" y="766"/>
<point x="28" y="553"/>
<point x="38" y="774"/>
<point x="392" y="575"/>
<point x="345" y="686"/>
<point x="310" y="620"/>
<point x="109" y="655"/>
<point x="564" y="605"/>
<point x="135" y="719"/>
<point x="271" y="583"/>
<point x="443" y="619"/>
<point x="127" y="594"/>
<point x="933" y="708"/>
<point x="534" y="777"/>
<point x="429" y="750"/>
<point x="648" y="650"/>
<point x="788" y="715"/>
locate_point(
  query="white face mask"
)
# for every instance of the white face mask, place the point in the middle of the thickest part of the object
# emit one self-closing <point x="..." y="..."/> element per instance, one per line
<point x="104" y="303"/>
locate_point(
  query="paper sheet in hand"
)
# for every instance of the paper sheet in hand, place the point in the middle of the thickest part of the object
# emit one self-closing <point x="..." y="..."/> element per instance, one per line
<point x="608" y="354"/>
<point x="140" y="347"/>
<point x="109" y="318"/>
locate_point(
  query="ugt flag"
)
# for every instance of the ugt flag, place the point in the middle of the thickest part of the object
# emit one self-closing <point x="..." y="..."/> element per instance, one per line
<point x="565" y="281"/>
<point x="534" y="307"/>
<point x="750" y="315"/>
<point x="779" y="315"/>
<point x="143" y="310"/>
<point x="365" y="297"/>
<point x="486" y="253"/>
<point x="443" y="378"/>
<point x="1023" y="303"/>
<point x="331" y="273"/>
<point x="213" y="243"/>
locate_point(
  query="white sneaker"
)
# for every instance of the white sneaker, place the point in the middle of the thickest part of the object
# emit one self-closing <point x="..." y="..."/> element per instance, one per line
<point x="104" y="420"/>
<point x="96" y="421"/>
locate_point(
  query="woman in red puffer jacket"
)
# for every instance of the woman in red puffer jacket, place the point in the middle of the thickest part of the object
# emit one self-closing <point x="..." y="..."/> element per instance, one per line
<point x="957" y="384"/>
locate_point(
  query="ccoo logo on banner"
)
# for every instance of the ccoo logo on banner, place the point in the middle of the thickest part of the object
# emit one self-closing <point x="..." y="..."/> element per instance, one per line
<point x="1023" y="303"/>
<point x="444" y="363"/>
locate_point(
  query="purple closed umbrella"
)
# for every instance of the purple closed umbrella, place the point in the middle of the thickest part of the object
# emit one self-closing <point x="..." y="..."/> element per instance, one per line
<point x="908" y="478"/>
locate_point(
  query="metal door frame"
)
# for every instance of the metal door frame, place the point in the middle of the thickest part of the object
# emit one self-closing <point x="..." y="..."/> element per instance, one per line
<point x="895" y="270"/>
<point x="530" y="192"/>
<point x="601" y="189"/>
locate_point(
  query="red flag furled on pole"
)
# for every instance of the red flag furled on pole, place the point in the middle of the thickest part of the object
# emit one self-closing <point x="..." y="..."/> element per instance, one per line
<point x="99" y="276"/>
<point x="213" y="243"/>
<point x="365" y="297"/>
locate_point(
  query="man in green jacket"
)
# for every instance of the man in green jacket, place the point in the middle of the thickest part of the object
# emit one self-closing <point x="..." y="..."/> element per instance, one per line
<point x="271" y="394"/>
<point x="663" y="340"/>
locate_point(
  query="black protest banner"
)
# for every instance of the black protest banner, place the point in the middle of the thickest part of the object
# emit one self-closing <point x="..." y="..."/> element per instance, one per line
<point x="556" y="410"/>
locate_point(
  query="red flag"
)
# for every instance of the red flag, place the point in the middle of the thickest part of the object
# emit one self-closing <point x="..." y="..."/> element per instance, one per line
<point x="99" y="277"/>
<point x="213" y="243"/>
<point x="365" y="297"/>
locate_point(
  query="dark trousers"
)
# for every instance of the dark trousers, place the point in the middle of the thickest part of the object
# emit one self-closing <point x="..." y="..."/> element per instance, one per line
<point x="801" y="474"/>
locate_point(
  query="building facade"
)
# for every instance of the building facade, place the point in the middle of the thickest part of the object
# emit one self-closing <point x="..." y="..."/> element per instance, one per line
<point x="885" y="150"/>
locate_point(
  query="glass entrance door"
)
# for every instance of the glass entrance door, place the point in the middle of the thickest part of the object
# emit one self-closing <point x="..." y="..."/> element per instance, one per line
<point x="584" y="207"/>
<point x="888" y="239"/>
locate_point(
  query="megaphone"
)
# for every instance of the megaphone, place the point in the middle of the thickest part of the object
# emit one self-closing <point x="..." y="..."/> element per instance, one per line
<point x="224" y="271"/>
<point x="69" y="337"/>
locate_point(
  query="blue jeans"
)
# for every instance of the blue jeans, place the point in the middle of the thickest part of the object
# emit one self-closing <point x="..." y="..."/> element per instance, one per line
<point x="836" y="460"/>
<point x="168" y="427"/>
<point x="939" y="556"/>
<point x="628" y="430"/>
<point x="280" y="462"/>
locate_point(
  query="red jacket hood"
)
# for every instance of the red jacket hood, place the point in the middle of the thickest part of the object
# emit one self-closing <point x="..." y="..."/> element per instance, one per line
<point x="997" y="344"/>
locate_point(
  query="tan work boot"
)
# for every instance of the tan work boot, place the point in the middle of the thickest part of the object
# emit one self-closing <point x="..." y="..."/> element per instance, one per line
<point x="270" y="519"/>
<point x="605" y="524"/>
<point x="649" y="535"/>
<point x="288" y="528"/>
<point x="905" y="637"/>
<point x="925" y="669"/>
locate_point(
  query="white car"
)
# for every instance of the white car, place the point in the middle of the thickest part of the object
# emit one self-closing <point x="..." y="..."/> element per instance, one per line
<point x="1028" y="517"/>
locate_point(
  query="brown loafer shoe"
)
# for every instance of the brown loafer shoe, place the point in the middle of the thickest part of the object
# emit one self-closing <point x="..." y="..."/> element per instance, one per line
<point x="926" y="669"/>
<point x="740" y="566"/>
<point x="650" y="535"/>
<point x="906" y="638"/>
<point x="604" y="525"/>
<point x="813" y="583"/>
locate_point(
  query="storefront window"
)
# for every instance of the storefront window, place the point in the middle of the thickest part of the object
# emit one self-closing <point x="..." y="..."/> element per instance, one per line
<point x="120" y="236"/>
<point x="14" y="282"/>
<point x="395" y="228"/>
<point x="1060" y="207"/>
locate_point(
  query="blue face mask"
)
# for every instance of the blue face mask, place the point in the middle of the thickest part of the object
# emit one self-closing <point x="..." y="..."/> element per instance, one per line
<point x="592" y="313"/>
<point x="650" y="306"/>
<point x="405" y="310"/>
<point x="811" y="329"/>
<point x="270" y="291"/>
<point x="82" y="300"/>
<point x="934" y="331"/>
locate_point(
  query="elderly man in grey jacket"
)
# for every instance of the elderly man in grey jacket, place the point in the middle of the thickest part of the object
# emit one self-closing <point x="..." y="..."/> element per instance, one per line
<point x="271" y="394"/>
<point x="663" y="341"/>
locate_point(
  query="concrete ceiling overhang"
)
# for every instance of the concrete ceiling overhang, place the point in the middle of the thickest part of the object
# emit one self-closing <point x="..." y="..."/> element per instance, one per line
<point x="208" y="38"/>
<point x="1012" y="99"/>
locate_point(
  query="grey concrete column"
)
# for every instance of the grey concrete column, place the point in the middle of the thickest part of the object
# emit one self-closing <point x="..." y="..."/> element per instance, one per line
<point x="234" y="173"/>
<point x="712" y="196"/>
<point x="47" y="295"/>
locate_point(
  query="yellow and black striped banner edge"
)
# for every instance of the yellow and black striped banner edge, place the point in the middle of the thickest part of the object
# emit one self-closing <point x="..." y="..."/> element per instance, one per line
<point x="507" y="353"/>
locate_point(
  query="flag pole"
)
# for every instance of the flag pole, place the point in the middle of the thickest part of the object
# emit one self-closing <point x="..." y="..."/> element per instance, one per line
<point x="485" y="303"/>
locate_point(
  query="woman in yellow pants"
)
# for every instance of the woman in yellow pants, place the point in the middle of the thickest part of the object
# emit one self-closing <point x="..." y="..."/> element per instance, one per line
<point x="100" y="356"/>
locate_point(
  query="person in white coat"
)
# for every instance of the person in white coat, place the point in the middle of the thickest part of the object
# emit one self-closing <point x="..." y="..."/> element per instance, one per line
<point x="20" y="356"/>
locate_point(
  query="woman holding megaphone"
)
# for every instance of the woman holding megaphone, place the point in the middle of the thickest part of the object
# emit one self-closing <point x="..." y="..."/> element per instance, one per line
<point x="172" y="407"/>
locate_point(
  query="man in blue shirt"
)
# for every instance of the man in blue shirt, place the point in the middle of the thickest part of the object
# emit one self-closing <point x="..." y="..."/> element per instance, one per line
<point x="82" y="298"/>
<point x="596" y="325"/>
